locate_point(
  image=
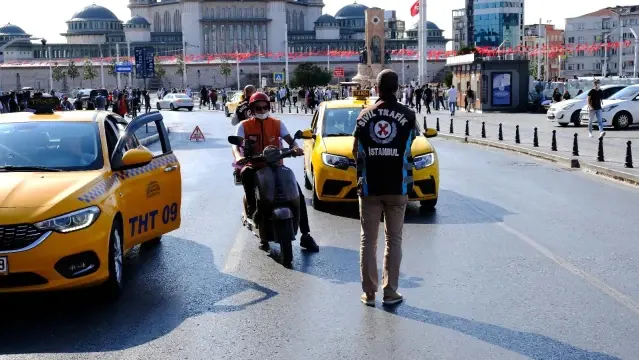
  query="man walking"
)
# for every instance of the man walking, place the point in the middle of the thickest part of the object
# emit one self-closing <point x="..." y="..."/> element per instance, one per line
<point x="594" y="109"/>
<point x="452" y="100"/>
<point x="382" y="147"/>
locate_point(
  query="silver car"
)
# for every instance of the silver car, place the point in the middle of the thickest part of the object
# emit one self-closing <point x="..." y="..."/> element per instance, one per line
<point x="175" y="102"/>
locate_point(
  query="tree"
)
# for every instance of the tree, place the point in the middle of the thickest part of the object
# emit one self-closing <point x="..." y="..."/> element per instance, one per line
<point x="448" y="79"/>
<point x="160" y="71"/>
<point x="111" y="69"/>
<point x="181" y="67"/>
<point x="309" y="75"/>
<point x="225" y="70"/>
<point x="58" y="72"/>
<point x="72" y="72"/>
<point x="89" y="71"/>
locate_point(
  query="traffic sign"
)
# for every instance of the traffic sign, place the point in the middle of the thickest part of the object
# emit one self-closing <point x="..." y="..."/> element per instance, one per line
<point x="338" y="72"/>
<point x="197" y="135"/>
<point x="144" y="62"/>
<point x="123" y="68"/>
<point x="278" y="77"/>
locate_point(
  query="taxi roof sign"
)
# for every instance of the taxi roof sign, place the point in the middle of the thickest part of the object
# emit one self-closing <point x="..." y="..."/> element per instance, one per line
<point x="361" y="94"/>
<point x="44" y="104"/>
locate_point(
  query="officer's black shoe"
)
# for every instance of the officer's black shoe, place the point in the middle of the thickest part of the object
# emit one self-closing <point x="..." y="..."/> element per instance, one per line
<point x="264" y="246"/>
<point x="308" y="243"/>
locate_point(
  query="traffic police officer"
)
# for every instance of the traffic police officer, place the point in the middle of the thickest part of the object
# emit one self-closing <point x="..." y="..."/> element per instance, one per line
<point x="243" y="112"/>
<point x="382" y="147"/>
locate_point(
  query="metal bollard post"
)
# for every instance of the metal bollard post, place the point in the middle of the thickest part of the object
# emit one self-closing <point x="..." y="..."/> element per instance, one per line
<point x="451" y="126"/>
<point x="437" y="124"/>
<point x="483" y="129"/>
<point x="517" y="139"/>
<point x="305" y="110"/>
<point x="553" y="145"/>
<point x="535" y="139"/>
<point x="501" y="133"/>
<point x="297" y="108"/>
<point x="425" y="125"/>
<point x="600" y="152"/>
<point x="289" y="109"/>
<point x="628" y="163"/>
<point x="467" y="129"/>
<point x="575" y="146"/>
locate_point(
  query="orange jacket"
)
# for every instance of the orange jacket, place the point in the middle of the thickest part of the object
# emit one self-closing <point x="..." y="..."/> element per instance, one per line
<point x="263" y="132"/>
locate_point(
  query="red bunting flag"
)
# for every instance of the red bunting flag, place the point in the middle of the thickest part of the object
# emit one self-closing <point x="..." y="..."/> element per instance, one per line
<point x="414" y="10"/>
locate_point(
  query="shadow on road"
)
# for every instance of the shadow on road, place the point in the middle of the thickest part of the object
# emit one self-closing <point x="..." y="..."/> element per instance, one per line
<point x="532" y="345"/>
<point x="165" y="285"/>
<point x="341" y="266"/>
<point x="452" y="208"/>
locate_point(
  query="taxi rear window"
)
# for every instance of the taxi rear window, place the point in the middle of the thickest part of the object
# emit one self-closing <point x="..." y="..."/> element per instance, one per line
<point x="67" y="146"/>
<point x="340" y="122"/>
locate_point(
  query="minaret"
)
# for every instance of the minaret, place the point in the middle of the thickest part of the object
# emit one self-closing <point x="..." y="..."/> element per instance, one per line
<point x="276" y="28"/>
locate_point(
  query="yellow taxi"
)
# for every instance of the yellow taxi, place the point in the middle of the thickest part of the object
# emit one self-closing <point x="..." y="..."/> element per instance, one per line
<point x="77" y="192"/>
<point x="329" y="167"/>
<point x="232" y="104"/>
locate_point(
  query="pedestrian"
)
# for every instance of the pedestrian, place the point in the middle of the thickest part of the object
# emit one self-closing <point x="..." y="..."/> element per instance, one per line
<point x="452" y="99"/>
<point x="595" y="96"/>
<point x="382" y="147"/>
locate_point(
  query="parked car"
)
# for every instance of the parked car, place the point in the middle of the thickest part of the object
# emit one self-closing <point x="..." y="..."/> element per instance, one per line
<point x="619" y="110"/>
<point x="175" y="102"/>
<point x="567" y="111"/>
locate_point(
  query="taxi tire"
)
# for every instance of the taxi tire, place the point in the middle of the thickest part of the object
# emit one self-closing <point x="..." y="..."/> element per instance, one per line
<point x="190" y="108"/>
<point x="428" y="205"/>
<point x="615" y="120"/>
<point x="112" y="288"/>
<point x="575" y="118"/>
<point x="172" y="107"/>
<point x="158" y="106"/>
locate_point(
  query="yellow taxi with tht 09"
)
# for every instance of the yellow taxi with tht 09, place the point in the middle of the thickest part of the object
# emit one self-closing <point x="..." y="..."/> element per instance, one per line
<point x="329" y="167"/>
<point x="77" y="191"/>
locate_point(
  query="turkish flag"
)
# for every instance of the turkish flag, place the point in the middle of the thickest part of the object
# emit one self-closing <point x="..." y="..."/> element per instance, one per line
<point x="414" y="10"/>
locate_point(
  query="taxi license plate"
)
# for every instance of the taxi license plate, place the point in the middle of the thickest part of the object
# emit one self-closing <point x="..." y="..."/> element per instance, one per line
<point x="4" y="265"/>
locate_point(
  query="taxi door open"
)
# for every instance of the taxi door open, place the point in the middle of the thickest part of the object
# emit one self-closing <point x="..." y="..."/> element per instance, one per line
<point x="157" y="193"/>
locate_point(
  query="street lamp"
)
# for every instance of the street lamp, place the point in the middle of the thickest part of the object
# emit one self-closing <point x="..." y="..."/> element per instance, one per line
<point x="44" y="44"/>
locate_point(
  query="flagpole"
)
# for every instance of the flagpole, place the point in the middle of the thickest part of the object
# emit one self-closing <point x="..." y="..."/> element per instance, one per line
<point x="259" y="66"/>
<point x="328" y="58"/>
<point x="286" y="52"/>
<point x="403" y="66"/>
<point x="423" y="39"/>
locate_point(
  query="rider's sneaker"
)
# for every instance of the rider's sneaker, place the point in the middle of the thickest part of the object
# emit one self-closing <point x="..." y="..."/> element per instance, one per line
<point x="308" y="243"/>
<point x="392" y="298"/>
<point x="368" y="299"/>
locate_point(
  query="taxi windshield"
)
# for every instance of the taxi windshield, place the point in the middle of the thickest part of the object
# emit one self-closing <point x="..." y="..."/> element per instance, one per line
<point x="340" y="122"/>
<point x="625" y="94"/>
<point x="58" y="146"/>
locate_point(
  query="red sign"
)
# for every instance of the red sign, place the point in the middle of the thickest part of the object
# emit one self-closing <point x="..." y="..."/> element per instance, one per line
<point x="338" y="72"/>
<point x="414" y="10"/>
<point x="197" y="134"/>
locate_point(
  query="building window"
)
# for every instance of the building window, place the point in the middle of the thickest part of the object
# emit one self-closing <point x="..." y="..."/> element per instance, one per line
<point x="167" y="21"/>
<point x="213" y="40"/>
<point x="177" y="21"/>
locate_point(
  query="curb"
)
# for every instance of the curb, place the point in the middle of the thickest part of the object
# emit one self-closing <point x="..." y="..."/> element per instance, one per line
<point x="574" y="163"/>
<point x="149" y="140"/>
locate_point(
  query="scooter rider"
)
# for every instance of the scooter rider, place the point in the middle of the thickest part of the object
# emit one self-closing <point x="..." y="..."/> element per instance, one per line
<point x="267" y="131"/>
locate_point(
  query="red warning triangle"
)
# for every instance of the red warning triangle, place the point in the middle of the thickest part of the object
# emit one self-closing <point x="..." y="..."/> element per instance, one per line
<point x="197" y="134"/>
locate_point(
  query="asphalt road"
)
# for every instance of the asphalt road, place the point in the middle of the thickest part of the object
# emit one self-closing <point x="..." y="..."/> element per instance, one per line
<point x="521" y="260"/>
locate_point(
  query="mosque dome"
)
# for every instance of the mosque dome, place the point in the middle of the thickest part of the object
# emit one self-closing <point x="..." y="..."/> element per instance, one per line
<point x="354" y="10"/>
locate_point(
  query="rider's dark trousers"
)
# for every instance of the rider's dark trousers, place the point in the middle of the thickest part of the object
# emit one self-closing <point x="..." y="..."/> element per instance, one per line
<point x="248" y="181"/>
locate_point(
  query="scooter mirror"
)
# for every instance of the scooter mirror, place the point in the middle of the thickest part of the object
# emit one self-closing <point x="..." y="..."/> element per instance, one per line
<point x="236" y="140"/>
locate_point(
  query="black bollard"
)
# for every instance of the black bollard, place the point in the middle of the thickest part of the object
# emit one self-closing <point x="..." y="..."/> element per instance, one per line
<point x="451" y="126"/>
<point x="297" y="108"/>
<point x="600" y="153"/>
<point x="501" y="133"/>
<point x="535" y="139"/>
<point x="289" y="109"/>
<point x="467" y="129"/>
<point x="483" y="129"/>
<point x="305" y="110"/>
<point x="437" y="124"/>
<point x="575" y="146"/>
<point x="517" y="139"/>
<point x="553" y="145"/>
<point x="425" y="126"/>
<point x="628" y="163"/>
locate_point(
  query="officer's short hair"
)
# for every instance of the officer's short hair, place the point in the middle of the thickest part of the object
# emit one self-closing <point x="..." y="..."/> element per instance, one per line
<point x="250" y="88"/>
<point x="387" y="81"/>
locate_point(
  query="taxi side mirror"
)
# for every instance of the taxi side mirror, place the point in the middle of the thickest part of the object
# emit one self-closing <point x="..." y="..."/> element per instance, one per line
<point x="305" y="134"/>
<point x="136" y="158"/>
<point x="430" y="133"/>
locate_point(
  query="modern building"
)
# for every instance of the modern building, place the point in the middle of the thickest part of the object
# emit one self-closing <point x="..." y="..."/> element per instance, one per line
<point x="498" y="23"/>
<point x="547" y="36"/>
<point x="214" y="28"/>
<point x="460" y="29"/>
<point x="600" y="27"/>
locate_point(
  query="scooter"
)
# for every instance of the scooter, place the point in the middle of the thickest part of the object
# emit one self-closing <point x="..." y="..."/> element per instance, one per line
<point x="277" y="196"/>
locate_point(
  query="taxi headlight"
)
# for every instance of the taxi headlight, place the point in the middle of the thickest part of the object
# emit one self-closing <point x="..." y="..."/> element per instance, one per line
<point x="424" y="161"/>
<point x="336" y="161"/>
<point x="70" y="222"/>
<point x="568" y="107"/>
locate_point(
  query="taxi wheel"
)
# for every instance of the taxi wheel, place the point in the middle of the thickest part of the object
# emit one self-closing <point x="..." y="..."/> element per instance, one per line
<point x="428" y="205"/>
<point x="575" y="118"/>
<point x="159" y="107"/>
<point x="114" y="285"/>
<point x="190" y="108"/>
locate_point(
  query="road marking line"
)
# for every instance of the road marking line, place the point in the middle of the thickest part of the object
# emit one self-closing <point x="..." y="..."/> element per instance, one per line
<point x="607" y="289"/>
<point x="232" y="262"/>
